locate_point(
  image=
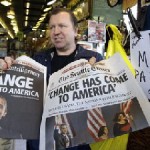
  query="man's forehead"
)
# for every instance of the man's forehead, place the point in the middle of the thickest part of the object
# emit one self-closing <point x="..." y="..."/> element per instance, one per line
<point x="62" y="16"/>
<point x="61" y="13"/>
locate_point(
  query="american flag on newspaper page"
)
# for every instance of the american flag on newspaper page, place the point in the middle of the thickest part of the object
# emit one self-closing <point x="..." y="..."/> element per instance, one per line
<point x="94" y="121"/>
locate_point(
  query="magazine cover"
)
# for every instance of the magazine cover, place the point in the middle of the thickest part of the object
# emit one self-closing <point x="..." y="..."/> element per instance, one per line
<point x="86" y="104"/>
<point x="22" y="89"/>
<point x="96" y="32"/>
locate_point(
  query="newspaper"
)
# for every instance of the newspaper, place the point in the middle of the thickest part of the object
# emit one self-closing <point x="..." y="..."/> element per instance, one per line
<point x="140" y="55"/>
<point x="22" y="89"/>
<point x="82" y="99"/>
<point x="96" y="32"/>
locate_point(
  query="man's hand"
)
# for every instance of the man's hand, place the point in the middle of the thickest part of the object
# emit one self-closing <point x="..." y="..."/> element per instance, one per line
<point x="6" y="63"/>
<point x="92" y="62"/>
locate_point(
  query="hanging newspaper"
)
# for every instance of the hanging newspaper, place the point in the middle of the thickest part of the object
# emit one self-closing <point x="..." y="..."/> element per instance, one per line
<point x="22" y="89"/>
<point x="96" y="31"/>
<point x="85" y="104"/>
<point x="140" y="54"/>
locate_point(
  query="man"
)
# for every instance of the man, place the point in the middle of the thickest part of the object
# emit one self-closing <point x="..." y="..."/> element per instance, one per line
<point x="62" y="139"/>
<point x="63" y="32"/>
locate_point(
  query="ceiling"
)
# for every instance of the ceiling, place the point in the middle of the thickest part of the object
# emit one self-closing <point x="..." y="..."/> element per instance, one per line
<point x="36" y="11"/>
<point x="19" y="6"/>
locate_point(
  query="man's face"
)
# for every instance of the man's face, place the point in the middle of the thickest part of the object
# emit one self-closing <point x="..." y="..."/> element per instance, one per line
<point x="63" y="129"/>
<point x="2" y="107"/>
<point x="62" y="31"/>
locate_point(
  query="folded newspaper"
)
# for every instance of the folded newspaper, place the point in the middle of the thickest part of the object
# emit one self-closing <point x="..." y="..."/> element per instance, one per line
<point x="85" y="104"/>
<point x="22" y="89"/>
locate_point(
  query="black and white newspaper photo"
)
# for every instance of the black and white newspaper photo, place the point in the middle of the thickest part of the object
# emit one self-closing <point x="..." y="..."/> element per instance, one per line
<point x="22" y="89"/>
<point x="88" y="103"/>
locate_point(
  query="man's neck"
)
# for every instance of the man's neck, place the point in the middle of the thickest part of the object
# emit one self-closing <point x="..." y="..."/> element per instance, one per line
<point x="66" y="52"/>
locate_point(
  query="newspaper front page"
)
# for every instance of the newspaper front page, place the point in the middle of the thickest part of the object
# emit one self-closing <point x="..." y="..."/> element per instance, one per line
<point x="22" y="89"/>
<point x="86" y="104"/>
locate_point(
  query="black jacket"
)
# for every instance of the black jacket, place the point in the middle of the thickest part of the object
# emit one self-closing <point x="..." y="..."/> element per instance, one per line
<point x="45" y="57"/>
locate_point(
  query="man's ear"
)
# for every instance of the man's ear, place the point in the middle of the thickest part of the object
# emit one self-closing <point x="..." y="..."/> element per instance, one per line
<point x="76" y="31"/>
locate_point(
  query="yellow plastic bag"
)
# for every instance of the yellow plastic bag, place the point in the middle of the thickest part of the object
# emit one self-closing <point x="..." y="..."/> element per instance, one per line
<point x="117" y="143"/>
<point x="111" y="47"/>
<point x="115" y="45"/>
